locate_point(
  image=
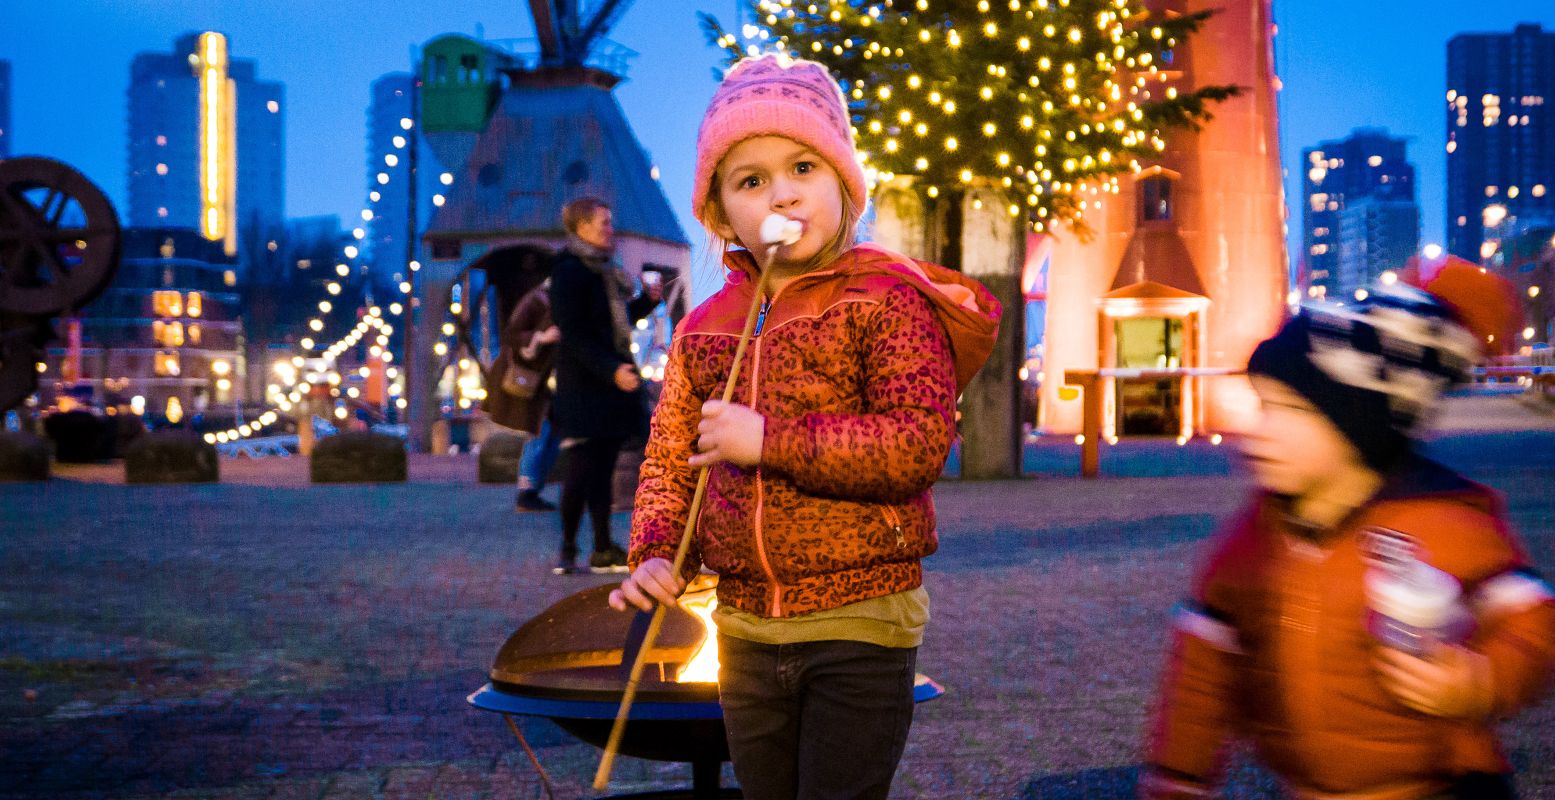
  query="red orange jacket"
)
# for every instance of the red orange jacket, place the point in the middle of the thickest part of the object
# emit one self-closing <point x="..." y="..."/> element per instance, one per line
<point x="856" y="368"/>
<point x="1273" y="645"/>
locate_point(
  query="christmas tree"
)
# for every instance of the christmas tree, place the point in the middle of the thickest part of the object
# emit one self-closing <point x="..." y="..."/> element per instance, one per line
<point x="1040" y="97"/>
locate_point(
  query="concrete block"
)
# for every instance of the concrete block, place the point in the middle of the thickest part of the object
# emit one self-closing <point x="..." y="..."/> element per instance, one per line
<point x="24" y="457"/>
<point x="358" y="457"/>
<point x="171" y="457"/>
<point x="499" y="458"/>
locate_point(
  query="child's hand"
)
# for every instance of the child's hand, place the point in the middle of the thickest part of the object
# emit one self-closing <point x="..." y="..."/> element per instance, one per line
<point x="653" y="580"/>
<point x="1454" y="682"/>
<point x="729" y="432"/>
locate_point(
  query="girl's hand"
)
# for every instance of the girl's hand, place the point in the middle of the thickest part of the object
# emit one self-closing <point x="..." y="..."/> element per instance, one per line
<point x="653" y="580"/>
<point x="729" y="432"/>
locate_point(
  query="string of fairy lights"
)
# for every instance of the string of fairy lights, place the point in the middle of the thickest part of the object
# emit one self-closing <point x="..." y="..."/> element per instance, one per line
<point x="1050" y="100"/>
<point x="314" y="365"/>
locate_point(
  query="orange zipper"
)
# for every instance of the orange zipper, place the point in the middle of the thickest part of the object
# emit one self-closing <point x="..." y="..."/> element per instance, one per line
<point x="896" y="524"/>
<point x="761" y="543"/>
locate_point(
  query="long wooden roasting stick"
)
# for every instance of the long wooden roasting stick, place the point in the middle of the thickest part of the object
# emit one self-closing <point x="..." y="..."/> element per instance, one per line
<point x="776" y="231"/>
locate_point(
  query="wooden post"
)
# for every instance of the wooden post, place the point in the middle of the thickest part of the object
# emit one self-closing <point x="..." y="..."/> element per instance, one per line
<point x="1090" y="423"/>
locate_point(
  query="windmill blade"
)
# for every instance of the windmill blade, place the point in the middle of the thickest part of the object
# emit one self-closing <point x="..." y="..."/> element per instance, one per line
<point x="605" y="16"/>
<point x="547" y="29"/>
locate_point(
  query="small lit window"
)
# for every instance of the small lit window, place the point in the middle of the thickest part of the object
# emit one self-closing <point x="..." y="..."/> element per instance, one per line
<point x="1155" y="198"/>
<point x="161" y="141"/>
<point x="165" y="364"/>
<point x="193" y="305"/>
<point x="193" y="334"/>
<point x="168" y="334"/>
<point x="167" y="304"/>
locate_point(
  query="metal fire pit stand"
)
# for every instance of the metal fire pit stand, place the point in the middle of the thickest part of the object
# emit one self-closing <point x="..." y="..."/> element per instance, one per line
<point x="588" y="716"/>
<point x="590" y="720"/>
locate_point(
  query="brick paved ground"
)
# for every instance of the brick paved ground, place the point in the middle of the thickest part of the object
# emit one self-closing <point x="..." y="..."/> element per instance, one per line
<point x="263" y="638"/>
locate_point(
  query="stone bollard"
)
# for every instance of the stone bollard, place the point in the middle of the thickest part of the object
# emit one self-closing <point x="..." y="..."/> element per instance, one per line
<point x="24" y="457"/>
<point x="358" y="457"/>
<point x="500" y="454"/>
<point x="171" y="457"/>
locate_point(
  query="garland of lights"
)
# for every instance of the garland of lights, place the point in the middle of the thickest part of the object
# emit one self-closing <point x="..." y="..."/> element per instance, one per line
<point x="282" y="399"/>
<point x="1047" y="98"/>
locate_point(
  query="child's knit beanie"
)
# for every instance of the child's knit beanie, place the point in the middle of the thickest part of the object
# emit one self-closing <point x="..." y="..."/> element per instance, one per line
<point x="774" y="95"/>
<point x="1379" y="367"/>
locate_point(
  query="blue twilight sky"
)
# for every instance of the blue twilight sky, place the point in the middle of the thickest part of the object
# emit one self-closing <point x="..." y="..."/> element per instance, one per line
<point x="1344" y="64"/>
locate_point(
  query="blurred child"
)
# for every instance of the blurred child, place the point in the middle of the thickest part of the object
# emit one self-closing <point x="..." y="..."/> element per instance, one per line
<point x="1328" y="624"/>
<point x="818" y="508"/>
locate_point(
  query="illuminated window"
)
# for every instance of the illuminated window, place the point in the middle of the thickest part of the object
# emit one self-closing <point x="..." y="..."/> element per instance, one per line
<point x="193" y="333"/>
<point x="162" y="212"/>
<point x="165" y="364"/>
<point x="167" y="304"/>
<point x="273" y="106"/>
<point x="193" y="305"/>
<point x="161" y="141"/>
<point x="230" y="278"/>
<point x="161" y="169"/>
<point x="168" y="334"/>
<point x="1155" y="199"/>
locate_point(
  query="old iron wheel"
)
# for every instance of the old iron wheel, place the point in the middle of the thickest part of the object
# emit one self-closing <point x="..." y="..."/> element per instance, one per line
<point x="59" y="238"/>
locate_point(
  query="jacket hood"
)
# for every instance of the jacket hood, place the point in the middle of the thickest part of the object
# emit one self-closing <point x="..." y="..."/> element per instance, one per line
<point x="965" y="308"/>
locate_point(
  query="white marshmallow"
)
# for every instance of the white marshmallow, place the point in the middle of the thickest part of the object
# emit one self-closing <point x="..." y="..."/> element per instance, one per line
<point x="778" y="229"/>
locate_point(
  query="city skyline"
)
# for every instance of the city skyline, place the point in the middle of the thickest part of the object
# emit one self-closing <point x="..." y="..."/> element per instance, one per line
<point x="1337" y="73"/>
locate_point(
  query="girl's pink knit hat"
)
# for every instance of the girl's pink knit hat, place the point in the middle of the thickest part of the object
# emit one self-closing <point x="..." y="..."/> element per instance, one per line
<point x="778" y="96"/>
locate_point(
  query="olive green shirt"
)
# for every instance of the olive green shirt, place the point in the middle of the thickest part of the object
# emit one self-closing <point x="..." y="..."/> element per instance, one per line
<point x="895" y="620"/>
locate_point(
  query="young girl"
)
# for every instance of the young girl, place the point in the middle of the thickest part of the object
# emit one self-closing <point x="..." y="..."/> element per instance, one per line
<point x="818" y="508"/>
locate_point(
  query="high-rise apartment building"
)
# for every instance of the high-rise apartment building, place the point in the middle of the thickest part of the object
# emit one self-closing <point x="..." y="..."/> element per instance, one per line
<point x="205" y="146"/>
<point x="1500" y="138"/>
<point x="1375" y="235"/>
<point x="1367" y="166"/>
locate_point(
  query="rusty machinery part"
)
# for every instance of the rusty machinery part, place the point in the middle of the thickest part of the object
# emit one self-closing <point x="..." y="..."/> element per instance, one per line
<point x="21" y="343"/>
<point x="59" y="238"/>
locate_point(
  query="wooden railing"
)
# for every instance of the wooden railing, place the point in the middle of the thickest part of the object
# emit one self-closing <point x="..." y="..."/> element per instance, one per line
<point x="1088" y="381"/>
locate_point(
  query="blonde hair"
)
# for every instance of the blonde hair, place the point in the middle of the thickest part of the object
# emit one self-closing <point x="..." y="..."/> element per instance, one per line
<point x="712" y="214"/>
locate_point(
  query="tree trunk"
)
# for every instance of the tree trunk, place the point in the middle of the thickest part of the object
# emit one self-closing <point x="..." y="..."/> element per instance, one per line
<point x="973" y="232"/>
<point x="993" y="251"/>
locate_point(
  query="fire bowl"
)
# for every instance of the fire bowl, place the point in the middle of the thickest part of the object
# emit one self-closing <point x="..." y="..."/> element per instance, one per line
<point x="570" y="664"/>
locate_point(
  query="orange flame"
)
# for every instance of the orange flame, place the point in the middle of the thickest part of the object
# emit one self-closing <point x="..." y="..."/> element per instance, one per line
<point x="703" y="665"/>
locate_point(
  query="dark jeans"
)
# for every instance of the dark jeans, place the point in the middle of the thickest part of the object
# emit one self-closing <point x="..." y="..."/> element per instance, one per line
<point x="591" y="465"/>
<point x="815" y="720"/>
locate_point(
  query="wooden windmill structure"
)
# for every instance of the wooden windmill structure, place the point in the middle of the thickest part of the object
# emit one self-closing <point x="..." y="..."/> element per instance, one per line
<point x="555" y="133"/>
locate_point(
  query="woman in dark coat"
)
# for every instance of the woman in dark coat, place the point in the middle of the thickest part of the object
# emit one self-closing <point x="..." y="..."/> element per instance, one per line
<point x="598" y="402"/>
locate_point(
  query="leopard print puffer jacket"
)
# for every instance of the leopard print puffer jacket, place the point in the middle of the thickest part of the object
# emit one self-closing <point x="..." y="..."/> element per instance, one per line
<point x="856" y="368"/>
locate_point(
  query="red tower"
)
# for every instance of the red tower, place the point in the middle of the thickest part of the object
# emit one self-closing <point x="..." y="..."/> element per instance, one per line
<point x="1187" y="266"/>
